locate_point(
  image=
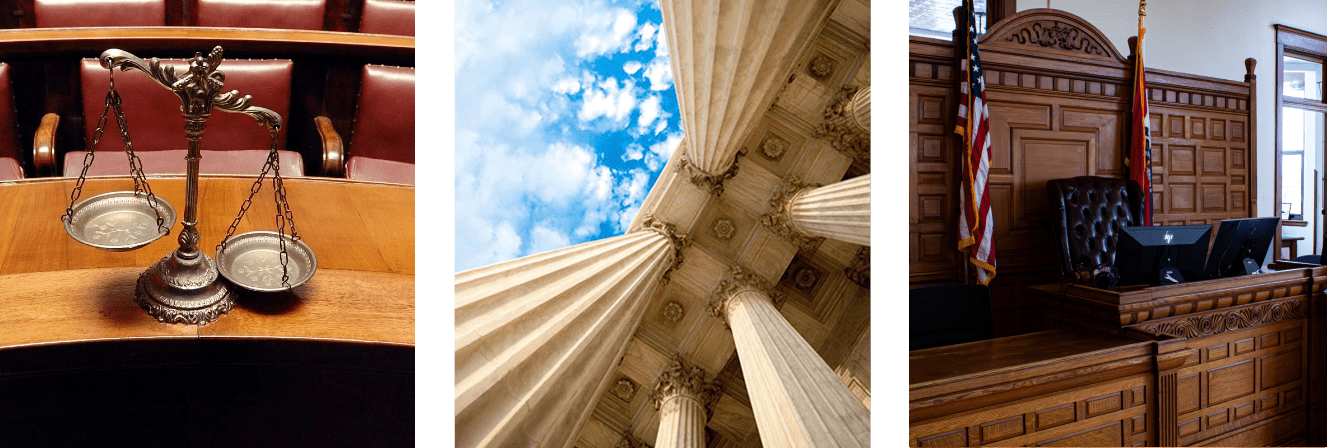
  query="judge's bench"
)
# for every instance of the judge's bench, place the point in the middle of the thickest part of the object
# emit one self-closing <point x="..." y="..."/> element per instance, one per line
<point x="1233" y="360"/>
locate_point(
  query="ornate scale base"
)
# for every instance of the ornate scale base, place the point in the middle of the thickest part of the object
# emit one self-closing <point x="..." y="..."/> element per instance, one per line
<point x="184" y="291"/>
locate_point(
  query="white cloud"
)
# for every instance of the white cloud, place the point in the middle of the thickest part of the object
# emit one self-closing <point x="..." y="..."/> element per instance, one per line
<point x="660" y="75"/>
<point x="567" y="86"/>
<point x="651" y="111"/>
<point x="662" y="151"/>
<point x="605" y="32"/>
<point x="634" y="151"/>
<point x="608" y="100"/>
<point x="543" y="239"/>
<point x="529" y="103"/>
<point x="646" y="36"/>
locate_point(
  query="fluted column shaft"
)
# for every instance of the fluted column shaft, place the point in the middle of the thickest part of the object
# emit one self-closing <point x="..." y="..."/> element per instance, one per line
<point x="841" y="211"/>
<point x="729" y="59"/>
<point x="860" y="109"/>
<point x="681" y="423"/>
<point x="797" y="399"/>
<point x="537" y="337"/>
<point x="683" y="396"/>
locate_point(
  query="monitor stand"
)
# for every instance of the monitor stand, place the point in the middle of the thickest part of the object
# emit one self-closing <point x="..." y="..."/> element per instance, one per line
<point x="1251" y="267"/>
<point x="1169" y="276"/>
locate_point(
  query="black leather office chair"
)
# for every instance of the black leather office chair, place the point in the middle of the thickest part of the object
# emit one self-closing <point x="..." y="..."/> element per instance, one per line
<point x="948" y="315"/>
<point x="1088" y="213"/>
<point x="1310" y="259"/>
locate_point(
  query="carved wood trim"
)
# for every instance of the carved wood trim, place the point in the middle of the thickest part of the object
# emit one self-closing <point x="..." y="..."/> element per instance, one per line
<point x="1055" y="30"/>
<point x="1229" y="319"/>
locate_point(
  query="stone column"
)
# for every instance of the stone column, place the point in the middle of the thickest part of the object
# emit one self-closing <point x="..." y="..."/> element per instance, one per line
<point x="841" y="211"/>
<point x="683" y="397"/>
<point x="729" y="59"/>
<point x="860" y="110"/>
<point x="538" y="337"/>
<point x="797" y="399"/>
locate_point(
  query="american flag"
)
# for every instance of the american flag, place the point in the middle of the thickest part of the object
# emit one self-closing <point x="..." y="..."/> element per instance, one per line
<point x="974" y="230"/>
<point x="1140" y="148"/>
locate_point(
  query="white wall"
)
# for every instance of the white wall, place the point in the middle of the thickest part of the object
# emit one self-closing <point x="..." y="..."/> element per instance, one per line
<point x="1209" y="38"/>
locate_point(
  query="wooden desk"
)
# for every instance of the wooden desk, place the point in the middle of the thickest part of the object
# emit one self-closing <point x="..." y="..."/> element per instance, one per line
<point x="1231" y="355"/>
<point x="1065" y="387"/>
<point x="90" y="42"/>
<point x="334" y="357"/>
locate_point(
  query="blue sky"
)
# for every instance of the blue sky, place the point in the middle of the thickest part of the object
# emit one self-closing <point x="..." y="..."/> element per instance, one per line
<point x="565" y="114"/>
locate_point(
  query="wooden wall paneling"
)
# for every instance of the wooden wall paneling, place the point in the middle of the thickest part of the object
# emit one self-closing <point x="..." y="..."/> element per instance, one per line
<point x="1241" y="378"/>
<point x="933" y="161"/>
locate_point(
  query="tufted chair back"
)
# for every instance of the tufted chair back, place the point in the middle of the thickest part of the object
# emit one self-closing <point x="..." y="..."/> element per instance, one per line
<point x="99" y="13"/>
<point x="237" y="144"/>
<point x="1088" y="214"/>
<point x="285" y="14"/>
<point x="388" y="17"/>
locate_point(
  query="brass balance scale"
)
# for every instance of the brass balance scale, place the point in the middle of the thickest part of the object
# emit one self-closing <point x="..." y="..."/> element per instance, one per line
<point x="189" y="286"/>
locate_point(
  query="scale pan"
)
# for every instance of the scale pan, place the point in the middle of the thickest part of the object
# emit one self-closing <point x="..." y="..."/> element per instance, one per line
<point x="118" y="221"/>
<point x="252" y="260"/>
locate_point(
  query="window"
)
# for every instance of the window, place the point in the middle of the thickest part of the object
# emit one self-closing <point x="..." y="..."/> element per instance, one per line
<point x="935" y="18"/>
<point x="1301" y="134"/>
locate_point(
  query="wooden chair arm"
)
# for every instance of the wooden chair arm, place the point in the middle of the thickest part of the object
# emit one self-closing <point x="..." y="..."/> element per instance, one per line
<point x="334" y="156"/>
<point x="43" y="146"/>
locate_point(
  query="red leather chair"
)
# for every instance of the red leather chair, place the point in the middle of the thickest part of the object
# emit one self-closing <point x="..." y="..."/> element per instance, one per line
<point x="388" y="17"/>
<point x="382" y="146"/>
<point x="10" y="167"/>
<point x="99" y="13"/>
<point x="232" y="143"/>
<point x="284" y="14"/>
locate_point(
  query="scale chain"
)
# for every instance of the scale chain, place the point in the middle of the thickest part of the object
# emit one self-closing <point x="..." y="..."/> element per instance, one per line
<point x="135" y="164"/>
<point x="87" y="158"/>
<point x="113" y="101"/>
<point x="283" y="213"/>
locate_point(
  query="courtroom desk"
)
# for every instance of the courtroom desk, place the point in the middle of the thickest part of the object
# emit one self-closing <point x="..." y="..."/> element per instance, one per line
<point x="90" y="42"/>
<point x="1232" y="357"/>
<point x="329" y="364"/>
<point x="1060" y="387"/>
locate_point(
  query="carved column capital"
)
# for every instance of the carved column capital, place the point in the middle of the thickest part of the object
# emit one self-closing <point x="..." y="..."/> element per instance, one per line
<point x="843" y="128"/>
<point x="629" y="440"/>
<point x="713" y="183"/>
<point x="779" y="218"/>
<point x="740" y="280"/>
<point x="682" y="378"/>
<point x="680" y="240"/>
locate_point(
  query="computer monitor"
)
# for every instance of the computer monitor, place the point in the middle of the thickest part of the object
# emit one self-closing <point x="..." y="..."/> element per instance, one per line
<point x="1240" y="246"/>
<point x="1161" y="255"/>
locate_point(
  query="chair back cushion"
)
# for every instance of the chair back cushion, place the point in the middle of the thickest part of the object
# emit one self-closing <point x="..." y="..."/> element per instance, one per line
<point x="949" y="314"/>
<point x="153" y="112"/>
<point x="9" y="169"/>
<point x="99" y="13"/>
<point x="242" y="162"/>
<point x="1088" y="213"/>
<point x="385" y="118"/>
<point x="283" y="14"/>
<point x="388" y="17"/>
